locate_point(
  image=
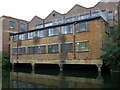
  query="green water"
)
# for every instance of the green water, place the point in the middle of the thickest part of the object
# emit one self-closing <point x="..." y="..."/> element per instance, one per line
<point x="50" y="78"/>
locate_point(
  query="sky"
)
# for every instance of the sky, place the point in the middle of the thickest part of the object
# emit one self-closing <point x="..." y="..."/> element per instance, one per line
<point x="27" y="9"/>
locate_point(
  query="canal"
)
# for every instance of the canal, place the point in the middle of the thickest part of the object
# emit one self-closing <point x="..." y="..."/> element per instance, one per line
<point x="53" y="78"/>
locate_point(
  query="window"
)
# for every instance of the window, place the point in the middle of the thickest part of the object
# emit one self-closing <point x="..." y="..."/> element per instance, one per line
<point x="82" y="46"/>
<point x="83" y="16"/>
<point x="42" y="33"/>
<point x="53" y="48"/>
<point x="67" y="29"/>
<point x="71" y="19"/>
<point x="83" y="26"/>
<point x="31" y="35"/>
<point x="67" y="47"/>
<point x="111" y="32"/>
<point x="15" y="51"/>
<point x="22" y="50"/>
<point x="15" y="38"/>
<point x="103" y="11"/>
<point x="11" y="24"/>
<point x="41" y="49"/>
<point x="31" y="50"/>
<point x="95" y="14"/>
<point x="52" y="31"/>
<point x="39" y="26"/>
<point x="110" y="15"/>
<point x="22" y="36"/>
<point x="22" y="26"/>
<point x="48" y="24"/>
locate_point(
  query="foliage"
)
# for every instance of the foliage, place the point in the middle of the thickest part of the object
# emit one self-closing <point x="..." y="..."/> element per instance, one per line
<point x="111" y="48"/>
<point x="5" y="59"/>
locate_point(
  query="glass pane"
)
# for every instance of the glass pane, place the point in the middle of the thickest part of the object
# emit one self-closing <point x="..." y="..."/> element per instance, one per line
<point x="82" y="46"/>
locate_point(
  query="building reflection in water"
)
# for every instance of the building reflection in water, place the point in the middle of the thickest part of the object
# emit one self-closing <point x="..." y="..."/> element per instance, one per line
<point x="62" y="80"/>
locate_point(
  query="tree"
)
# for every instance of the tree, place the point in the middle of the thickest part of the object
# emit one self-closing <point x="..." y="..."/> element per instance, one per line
<point x="111" y="49"/>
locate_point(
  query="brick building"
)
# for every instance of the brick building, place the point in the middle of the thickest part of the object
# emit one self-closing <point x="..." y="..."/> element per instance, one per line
<point x="9" y="25"/>
<point x="72" y="38"/>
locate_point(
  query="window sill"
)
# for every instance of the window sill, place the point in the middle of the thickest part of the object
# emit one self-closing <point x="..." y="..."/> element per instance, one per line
<point x="82" y="51"/>
<point x="82" y="31"/>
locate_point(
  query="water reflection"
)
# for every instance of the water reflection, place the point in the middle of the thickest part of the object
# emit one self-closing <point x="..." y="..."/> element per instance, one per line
<point x="45" y="79"/>
<point x="50" y="78"/>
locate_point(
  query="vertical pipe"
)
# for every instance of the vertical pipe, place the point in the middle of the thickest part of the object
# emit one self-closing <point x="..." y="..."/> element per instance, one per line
<point x="74" y="47"/>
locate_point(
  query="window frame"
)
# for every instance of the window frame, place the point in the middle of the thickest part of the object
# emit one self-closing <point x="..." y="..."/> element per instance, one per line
<point x="13" y="51"/>
<point x="34" y="50"/>
<point x="22" y="26"/>
<point x="50" y="52"/>
<point x="23" y="52"/>
<point x="83" y="42"/>
<point x="82" y="26"/>
<point x="15" y="38"/>
<point x="40" y="52"/>
<point x="12" y="25"/>
<point x="66" y="51"/>
<point x="43" y="31"/>
<point x="31" y="36"/>
<point x="22" y="36"/>
<point x="109" y="15"/>
<point x="68" y="29"/>
<point x="39" y="26"/>
<point x="52" y="33"/>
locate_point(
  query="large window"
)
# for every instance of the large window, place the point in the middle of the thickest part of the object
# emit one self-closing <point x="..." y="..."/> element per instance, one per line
<point x="67" y="29"/>
<point x="15" y="51"/>
<point x="53" y="31"/>
<point x="41" y="49"/>
<point x="83" y="26"/>
<point x="22" y="26"/>
<point x="42" y="33"/>
<point x="31" y="50"/>
<point x="67" y="47"/>
<point x="15" y="38"/>
<point x="22" y="36"/>
<point x="22" y="50"/>
<point x="39" y="26"/>
<point x="53" y="48"/>
<point x="11" y="24"/>
<point x="82" y="46"/>
<point x="110" y="15"/>
<point x="31" y="35"/>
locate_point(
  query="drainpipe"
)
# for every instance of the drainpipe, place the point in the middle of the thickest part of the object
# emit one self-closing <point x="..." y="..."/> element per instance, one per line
<point x="74" y="46"/>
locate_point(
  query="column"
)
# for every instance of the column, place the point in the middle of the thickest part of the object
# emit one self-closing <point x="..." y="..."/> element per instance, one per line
<point x="12" y="65"/>
<point x="33" y="66"/>
<point x="99" y="68"/>
<point x="61" y="67"/>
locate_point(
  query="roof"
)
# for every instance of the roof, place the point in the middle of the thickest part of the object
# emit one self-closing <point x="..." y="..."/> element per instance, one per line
<point x="14" y="18"/>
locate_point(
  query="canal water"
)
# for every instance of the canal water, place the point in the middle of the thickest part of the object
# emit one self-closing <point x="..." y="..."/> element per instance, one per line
<point x="53" y="78"/>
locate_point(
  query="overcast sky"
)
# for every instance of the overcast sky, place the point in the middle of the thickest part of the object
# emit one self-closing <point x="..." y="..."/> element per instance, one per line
<point x="27" y="9"/>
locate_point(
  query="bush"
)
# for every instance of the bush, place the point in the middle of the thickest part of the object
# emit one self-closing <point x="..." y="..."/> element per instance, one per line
<point x="5" y="59"/>
<point x="111" y="48"/>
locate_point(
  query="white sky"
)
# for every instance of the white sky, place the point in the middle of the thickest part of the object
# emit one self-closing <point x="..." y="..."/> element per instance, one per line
<point x="27" y="9"/>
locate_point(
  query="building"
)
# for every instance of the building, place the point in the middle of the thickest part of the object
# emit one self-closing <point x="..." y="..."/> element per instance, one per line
<point x="72" y="38"/>
<point x="9" y="25"/>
